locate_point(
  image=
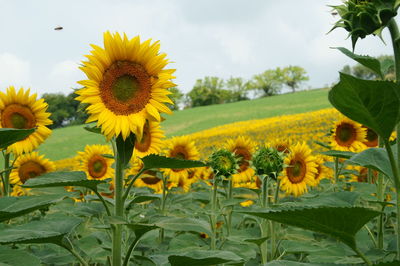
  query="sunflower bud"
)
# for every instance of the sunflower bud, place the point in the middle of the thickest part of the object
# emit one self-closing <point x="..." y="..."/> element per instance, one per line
<point x="268" y="161"/>
<point x="223" y="163"/>
<point x="364" y="17"/>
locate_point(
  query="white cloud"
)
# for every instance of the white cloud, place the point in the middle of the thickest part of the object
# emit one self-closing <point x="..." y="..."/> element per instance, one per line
<point x="14" y="71"/>
<point x="64" y="76"/>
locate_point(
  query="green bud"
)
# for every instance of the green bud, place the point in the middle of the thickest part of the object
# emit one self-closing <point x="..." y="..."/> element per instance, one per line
<point x="223" y="163"/>
<point x="268" y="161"/>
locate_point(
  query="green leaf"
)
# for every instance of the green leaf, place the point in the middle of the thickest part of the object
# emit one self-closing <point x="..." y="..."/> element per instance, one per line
<point x="373" y="103"/>
<point x="185" y="224"/>
<point x="295" y="263"/>
<point x="11" y="207"/>
<point x="367" y="61"/>
<point x="141" y="229"/>
<point x="62" y="179"/>
<point x="339" y="222"/>
<point x="374" y="158"/>
<point x="93" y="129"/>
<point x="339" y="154"/>
<point x="203" y="257"/>
<point x="257" y="241"/>
<point x="9" y="136"/>
<point x="18" y="257"/>
<point x="125" y="149"/>
<point x="157" y="161"/>
<point x="50" y="230"/>
<point x="144" y="198"/>
<point x="388" y="263"/>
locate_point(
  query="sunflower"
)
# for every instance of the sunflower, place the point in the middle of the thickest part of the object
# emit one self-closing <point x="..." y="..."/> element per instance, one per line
<point x="322" y="170"/>
<point x="362" y="175"/>
<point x="94" y="164"/>
<point x="126" y="85"/>
<point x="149" y="179"/>
<point x="192" y="177"/>
<point x="281" y="145"/>
<point x="371" y="137"/>
<point x="27" y="166"/>
<point x="300" y="171"/>
<point x="22" y="111"/>
<point x="181" y="148"/>
<point x="243" y="148"/>
<point x="348" y="136"/>
<point x="151" y="139"/>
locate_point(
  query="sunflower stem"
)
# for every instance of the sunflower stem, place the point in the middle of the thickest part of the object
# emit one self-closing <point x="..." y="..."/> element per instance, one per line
<point x="129" y="252"/>
<point x="102" y="201"/>
<point x="362" y="256"/>
<point x="132" y="181"/>
<point x="6" y="184"/>
<point x="380" y="195"/>
<point x="336" y="170"/>
<point x="264" y="222"/>
<point x="369" y="176"/>
<point x="213" y="213"/>
<point x="162" y="205"/>
<point x="229" y="220"/>
<point x="274" y="224"/>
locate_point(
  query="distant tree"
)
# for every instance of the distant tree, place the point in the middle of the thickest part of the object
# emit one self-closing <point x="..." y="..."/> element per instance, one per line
<point x="207" y="91"/>
<point x="270" y="82"/>
<point x="238" y="89"/>
<point x="363" y="72"/>
<point x="176" y="97"/>
<point x="293" y="76"/>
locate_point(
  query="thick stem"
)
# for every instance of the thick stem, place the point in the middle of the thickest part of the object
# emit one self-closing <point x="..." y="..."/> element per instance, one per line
<point x="274" y="225"/>
<point x="265" y="222"/>
<point x="118" y="211"/>
<point x="162" y="205"/>
<point x="361" y="255"/>
<point x="336" y="170"/>
<point x="6" y="184"/>
<point x="213" y="214"/>
<point x="229" y="220"/>
<point x="380" y="194"/>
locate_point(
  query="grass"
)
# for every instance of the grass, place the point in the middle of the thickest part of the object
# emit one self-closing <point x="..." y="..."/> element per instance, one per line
<point x="64" y="142"/>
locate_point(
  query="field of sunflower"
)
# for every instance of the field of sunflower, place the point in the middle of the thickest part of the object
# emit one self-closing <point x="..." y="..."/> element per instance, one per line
<point x="312" y="188"/>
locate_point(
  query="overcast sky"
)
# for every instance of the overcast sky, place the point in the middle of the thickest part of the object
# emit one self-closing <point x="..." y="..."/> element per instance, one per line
<point x="221" y="38"/>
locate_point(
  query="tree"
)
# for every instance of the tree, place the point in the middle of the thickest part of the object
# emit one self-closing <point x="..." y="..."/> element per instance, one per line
<point x="363" y="72"/>
<point x="176" y="97"/>
<point x="237" y="88"/>
<point x="293" y="76"/>
<point x="270" y="82"/>
<point x="207" y="91"/>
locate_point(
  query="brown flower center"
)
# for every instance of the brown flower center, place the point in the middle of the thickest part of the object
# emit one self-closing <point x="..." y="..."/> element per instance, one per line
<point x="296" y="171"/>
<point x="372" y="138"/>
<point x="244" y="157"/>
<point x="346" y="134"/>
<point x="29" y="170"/>
<point x="144" y="144"/>
<point x="17" y="116"/>
<point x="151" y="179"/>
<point x="179" y="152"/>
<point x="125" y="88"/>
<point x="97" y="166"/>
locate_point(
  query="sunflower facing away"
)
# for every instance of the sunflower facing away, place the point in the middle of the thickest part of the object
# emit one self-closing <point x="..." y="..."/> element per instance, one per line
<point x="29" y="165"/>
<point x="371" y="137"/>
<point x="183" y="148"/>
<point x="149" y="179"/>
<point x="94" y="164"/>
<point x="348" y="136"/>
<point x="243" y="148"/>
<point x="22" y="111"/>
<point x="322" y="170"/>
<point x="300" y="171"/>
<point x="126" y="85"/>
<point x="151" y="142"/>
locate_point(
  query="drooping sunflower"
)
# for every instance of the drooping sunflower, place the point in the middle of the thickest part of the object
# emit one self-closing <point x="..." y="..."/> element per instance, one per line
<point x="27" y="166"/>
<point x="94" y="164"/>
<point x="182" y="148"/>
<point x="151" y="141"/>
<point x="348" y="136"/>
<point x="149" y="179"/>
<point x="126" y="85"/>
<point x="21" y="110"/>
<point x="243" y="148"/>
<point x="300" y="171"/>
<point x="371" y="138"/>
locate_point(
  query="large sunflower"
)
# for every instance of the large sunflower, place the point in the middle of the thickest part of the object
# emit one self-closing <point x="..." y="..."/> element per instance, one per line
<point x="300" y="171"/>
<point x="27" y="166"/>
<point x="151" y="141"/>
<point x="243" y="148"/>
<point x="94" y="164"/>
<point x="22" y="111"/>
<point x="348" y="136"/>
<point x="126" y="85"/>
<point x="181" y="148"/>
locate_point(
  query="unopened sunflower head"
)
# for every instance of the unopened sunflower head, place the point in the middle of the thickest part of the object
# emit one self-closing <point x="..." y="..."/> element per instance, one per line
<point x="268" y="161"/>
<point x="224" y="163"/>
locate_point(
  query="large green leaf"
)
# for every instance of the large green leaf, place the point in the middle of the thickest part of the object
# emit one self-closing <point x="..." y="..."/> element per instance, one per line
<point x="367" y="61"/>
<point x="9" y="136"/>
<point x="185" y="224"/>
<point x="203" y="257"/>
<point x="157" y="161"/>
<point x="51" y="230"/>
<point x="62" y="179"/>
<point x="374" y="158"/>
<point x="340" y="222"/>
<point x="125" y="149"/>
<point x="11" y="207"/>
<point x="18" y="257"/>
<point x="373" y="103"/>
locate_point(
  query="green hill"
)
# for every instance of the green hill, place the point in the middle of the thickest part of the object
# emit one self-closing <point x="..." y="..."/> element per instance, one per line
<point x="64" y="142"/>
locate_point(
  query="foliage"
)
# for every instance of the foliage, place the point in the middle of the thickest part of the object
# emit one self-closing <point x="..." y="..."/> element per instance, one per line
<point x="176" y="97"/>
<point x="386" y="67"/>
<point x="293" y="76"/>
<point x="207" y="91"/>
<point x="270" y="82"/>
